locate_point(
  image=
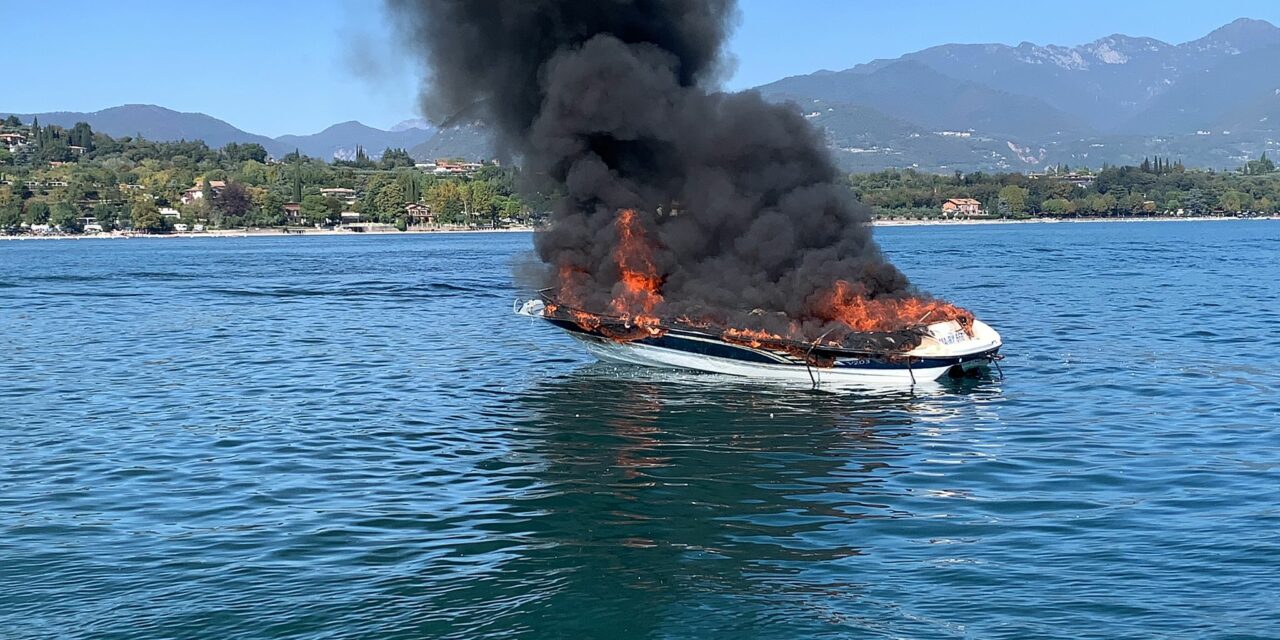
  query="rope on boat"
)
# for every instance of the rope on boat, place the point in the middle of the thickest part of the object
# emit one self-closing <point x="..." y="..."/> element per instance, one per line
<point x="809" y="356"/>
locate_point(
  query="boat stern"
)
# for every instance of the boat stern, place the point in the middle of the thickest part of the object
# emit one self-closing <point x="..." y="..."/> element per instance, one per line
<point x="950" y="342"/>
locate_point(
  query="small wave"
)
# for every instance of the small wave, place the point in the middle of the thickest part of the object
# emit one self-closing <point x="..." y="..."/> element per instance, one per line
<point x="68" y="277"/>
<point x="349" y="292"/>
<point x="90" y="294"/>
<point x="161" y="275"/>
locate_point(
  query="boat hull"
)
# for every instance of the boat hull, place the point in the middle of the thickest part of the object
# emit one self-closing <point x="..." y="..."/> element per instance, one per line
<point x="865" y="372"/>
<point x="947" y="351"/>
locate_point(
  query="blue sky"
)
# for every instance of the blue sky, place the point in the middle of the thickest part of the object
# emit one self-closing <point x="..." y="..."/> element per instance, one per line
<point x="297" y="66"/>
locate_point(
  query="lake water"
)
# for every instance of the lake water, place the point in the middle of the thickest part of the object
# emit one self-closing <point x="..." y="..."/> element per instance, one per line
<point x="355" y="438"/>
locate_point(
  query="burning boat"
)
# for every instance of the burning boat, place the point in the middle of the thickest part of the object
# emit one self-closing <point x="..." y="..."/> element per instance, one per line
<point x="890" y="340"/>
<point x="687" y="227"/>
<point x="925" y="352"/>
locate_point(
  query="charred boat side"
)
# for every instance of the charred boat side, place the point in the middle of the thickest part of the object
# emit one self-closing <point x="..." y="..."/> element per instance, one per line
<point x="935" y="350"/>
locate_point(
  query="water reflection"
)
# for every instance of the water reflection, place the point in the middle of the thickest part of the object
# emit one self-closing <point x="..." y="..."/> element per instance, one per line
<point x="658" y="498"/>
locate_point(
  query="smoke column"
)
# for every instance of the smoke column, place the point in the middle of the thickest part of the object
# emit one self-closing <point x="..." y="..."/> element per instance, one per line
<point x="607" y="102"/>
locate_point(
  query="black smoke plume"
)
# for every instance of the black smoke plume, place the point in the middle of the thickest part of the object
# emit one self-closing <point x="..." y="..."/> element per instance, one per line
<point x="608" y="102"/>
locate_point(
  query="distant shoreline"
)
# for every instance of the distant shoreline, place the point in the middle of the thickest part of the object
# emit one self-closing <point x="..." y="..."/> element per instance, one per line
<point x="942" y="223"/>
<point x="329" y="233"/>
<point x="266" y="233"/>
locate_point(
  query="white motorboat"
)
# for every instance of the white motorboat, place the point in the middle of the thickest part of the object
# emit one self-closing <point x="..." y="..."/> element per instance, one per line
<point x="933" y="351"/>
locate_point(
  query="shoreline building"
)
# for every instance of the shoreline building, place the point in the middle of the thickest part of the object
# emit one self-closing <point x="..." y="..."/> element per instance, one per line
<point x="961" y="207"/>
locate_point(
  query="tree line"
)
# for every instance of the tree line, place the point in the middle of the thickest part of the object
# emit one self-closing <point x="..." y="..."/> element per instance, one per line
<point x="69" y="177"/>
<point x="1156" y="186"/>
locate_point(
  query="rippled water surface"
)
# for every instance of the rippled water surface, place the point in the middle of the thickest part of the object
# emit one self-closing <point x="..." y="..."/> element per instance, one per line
<point x="354" y="437"/>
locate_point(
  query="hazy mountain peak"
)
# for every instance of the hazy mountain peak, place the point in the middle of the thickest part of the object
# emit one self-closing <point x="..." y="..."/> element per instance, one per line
<point x="1118" y="48"/>
<point x="342" y="140"/>
<point x="351" y="125"/>
<point x="1245" y="28"/>
<point x="1069" y="58"/>
<point x="413" y="123"/>
<point x="1238" y="37"/>
<point x="1115" y="49"/>
<point x="975" y="106"/>
<point x="155" y="123"/>
<point x="1115" y="99"/>
<point x="1117" y="45"/>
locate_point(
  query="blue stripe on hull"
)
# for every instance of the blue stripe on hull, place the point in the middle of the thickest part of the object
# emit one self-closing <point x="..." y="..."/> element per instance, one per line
<point x="714" y="349"/>
<point x="916" y="363"/>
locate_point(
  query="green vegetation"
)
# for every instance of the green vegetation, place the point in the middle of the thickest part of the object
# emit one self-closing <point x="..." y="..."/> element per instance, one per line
<point x="72" y="178"/>
<point x="1156" y="187"/>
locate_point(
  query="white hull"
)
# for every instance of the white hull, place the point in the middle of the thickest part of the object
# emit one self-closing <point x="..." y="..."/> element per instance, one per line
<point x="945" y="349"/>
<point x="629" y="353"/>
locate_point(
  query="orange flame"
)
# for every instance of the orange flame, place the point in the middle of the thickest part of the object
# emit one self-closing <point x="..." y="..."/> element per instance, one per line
<point x="572" y="281"/>
<point x="638" y="291"/>
<point x="632" y="312"/>
<point x="847" y="304"/>
<point x="751" y="337"/>
<point x="635" y="296"/>
<point x="793" y="343"/>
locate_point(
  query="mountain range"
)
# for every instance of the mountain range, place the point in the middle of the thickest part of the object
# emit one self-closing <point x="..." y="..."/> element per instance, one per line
<point x="158" y="123"/>
<point x="1212" y="102"/>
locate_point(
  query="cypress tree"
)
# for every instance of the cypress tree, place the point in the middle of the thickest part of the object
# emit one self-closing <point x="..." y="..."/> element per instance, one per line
<point x="297" y="176"/>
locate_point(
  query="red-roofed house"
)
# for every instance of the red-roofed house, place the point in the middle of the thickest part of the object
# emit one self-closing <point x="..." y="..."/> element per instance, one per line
<point x="962" y="207"/>
<point x="197" y="192"/>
